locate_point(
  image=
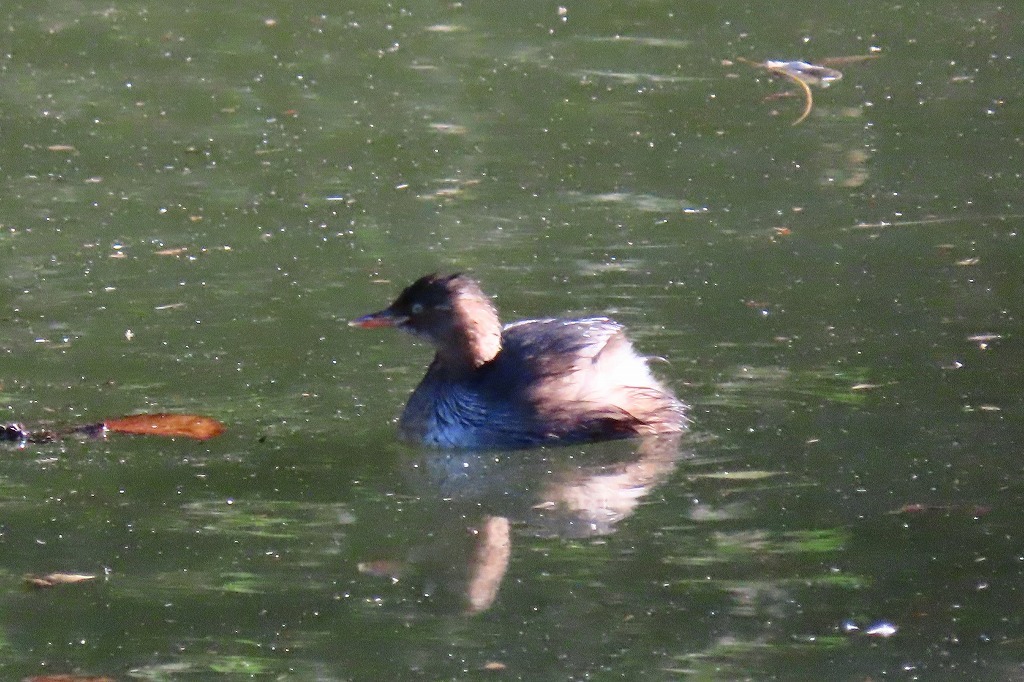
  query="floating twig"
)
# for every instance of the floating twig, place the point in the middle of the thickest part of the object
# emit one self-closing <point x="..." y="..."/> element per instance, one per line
<point x="803" y="74"/>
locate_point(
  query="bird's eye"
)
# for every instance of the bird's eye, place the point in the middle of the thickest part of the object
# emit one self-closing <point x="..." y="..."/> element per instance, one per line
<point x="416" y="308"/>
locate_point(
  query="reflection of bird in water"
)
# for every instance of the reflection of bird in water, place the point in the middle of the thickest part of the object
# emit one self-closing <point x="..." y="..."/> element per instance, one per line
<point x="581" y="502"/>
<point x="540" y="492"/>
<point x="490" y="561"/>
<point x="528" y="383"/>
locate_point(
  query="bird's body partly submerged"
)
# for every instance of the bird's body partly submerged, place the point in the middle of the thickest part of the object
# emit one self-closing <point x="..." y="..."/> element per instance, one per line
<point x="524" y="384"/>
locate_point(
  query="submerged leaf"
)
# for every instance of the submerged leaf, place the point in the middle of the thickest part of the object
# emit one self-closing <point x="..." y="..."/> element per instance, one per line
<point x="382" y="568"/>
<point x="737" y="475"/>
<point x="68" y="678"/>
<point x="54" y="579"/>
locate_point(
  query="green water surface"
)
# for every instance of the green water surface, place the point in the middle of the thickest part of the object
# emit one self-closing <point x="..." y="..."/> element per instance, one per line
<point x="197" y="196"/>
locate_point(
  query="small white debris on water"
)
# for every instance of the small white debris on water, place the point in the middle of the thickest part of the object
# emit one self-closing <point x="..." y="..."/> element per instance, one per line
<point x="881" y="629"/>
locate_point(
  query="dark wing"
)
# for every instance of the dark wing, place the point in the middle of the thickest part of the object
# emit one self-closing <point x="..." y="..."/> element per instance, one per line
<point x="556" y="347"/>
<point x="587" y="379"/>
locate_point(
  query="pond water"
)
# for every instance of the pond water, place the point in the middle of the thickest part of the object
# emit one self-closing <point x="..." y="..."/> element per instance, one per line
<point x="197" y="197"/>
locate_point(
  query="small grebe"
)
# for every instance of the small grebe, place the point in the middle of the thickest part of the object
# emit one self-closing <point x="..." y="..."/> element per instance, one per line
<point x="529" y="383"/>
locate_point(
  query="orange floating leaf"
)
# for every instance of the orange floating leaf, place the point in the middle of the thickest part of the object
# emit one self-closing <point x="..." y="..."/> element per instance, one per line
<point x="170" y="425"/>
